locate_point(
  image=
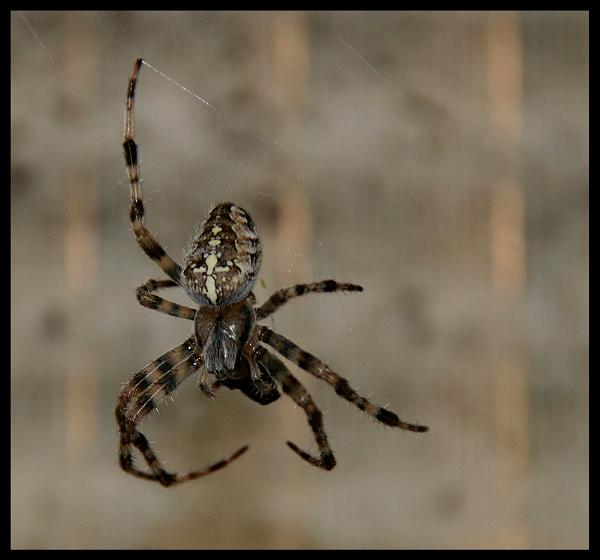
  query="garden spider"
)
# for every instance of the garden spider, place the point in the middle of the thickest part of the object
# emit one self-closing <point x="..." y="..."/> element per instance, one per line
<point x="221" y="266"/>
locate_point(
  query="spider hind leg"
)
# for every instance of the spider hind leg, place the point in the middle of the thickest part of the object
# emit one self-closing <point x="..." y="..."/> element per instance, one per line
<point x="146" y="297"/>
<point x="281" y="297"/>
<point x="144" y="238"/>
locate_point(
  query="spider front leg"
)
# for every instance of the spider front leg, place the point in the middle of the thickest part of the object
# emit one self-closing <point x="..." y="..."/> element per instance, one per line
<point x="141" y="395"/>
<point x="136" y="212"/>
<point x="316" y="367"/>
<point x="281" y="297"/>
<point x="296" y="391"/>
<point x="147" y="298"/>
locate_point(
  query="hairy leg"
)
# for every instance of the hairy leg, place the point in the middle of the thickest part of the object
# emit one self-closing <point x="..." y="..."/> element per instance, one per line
<point x="296" y="391"/>
<point x="136" y="212"/>
<point x="147" y="298"/>
<point x="281" y="297"/>
<point x="141" y="395"/>
<point x="319" y="369"/>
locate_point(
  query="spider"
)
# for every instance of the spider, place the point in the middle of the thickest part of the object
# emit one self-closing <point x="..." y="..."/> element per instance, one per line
<point x="227" y="346"/>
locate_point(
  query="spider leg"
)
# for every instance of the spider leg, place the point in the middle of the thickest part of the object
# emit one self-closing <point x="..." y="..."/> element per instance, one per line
<point x="281" y="297"/>
<point x="140" y="396"/>
<point x="296" y="391"/>
<point x="319" y="369"/>
<point x="136" y="212"/>
<point x="146" y="298"/>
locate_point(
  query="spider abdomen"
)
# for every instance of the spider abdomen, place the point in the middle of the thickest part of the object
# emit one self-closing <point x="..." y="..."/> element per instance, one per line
<point x="222" y="261"/>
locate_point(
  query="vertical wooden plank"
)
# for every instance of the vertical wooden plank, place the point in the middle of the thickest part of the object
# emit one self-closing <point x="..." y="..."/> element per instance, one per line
<point x="294" y="229"/>
<point x="291" y="64"/>
<point x="80" y="269"/>
<point x="508" y="245"/>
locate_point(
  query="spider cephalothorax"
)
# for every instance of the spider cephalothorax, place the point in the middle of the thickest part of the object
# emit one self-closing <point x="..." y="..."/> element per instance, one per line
<point x="221" y="334"/>
<point x="228" y="347"/>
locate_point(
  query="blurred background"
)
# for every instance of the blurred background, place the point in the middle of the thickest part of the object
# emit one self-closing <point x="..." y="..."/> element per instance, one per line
<point x="440" y="160"/>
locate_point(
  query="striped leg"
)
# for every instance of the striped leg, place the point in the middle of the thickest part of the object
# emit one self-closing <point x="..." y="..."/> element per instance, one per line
<point x="296" y="391"/>
<point x="136" y="212"/>
<point x="316" y="367"/>
<point x="282" y="296"/>
<point x="141" y="395"/>
<point x="152" y="301"/>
